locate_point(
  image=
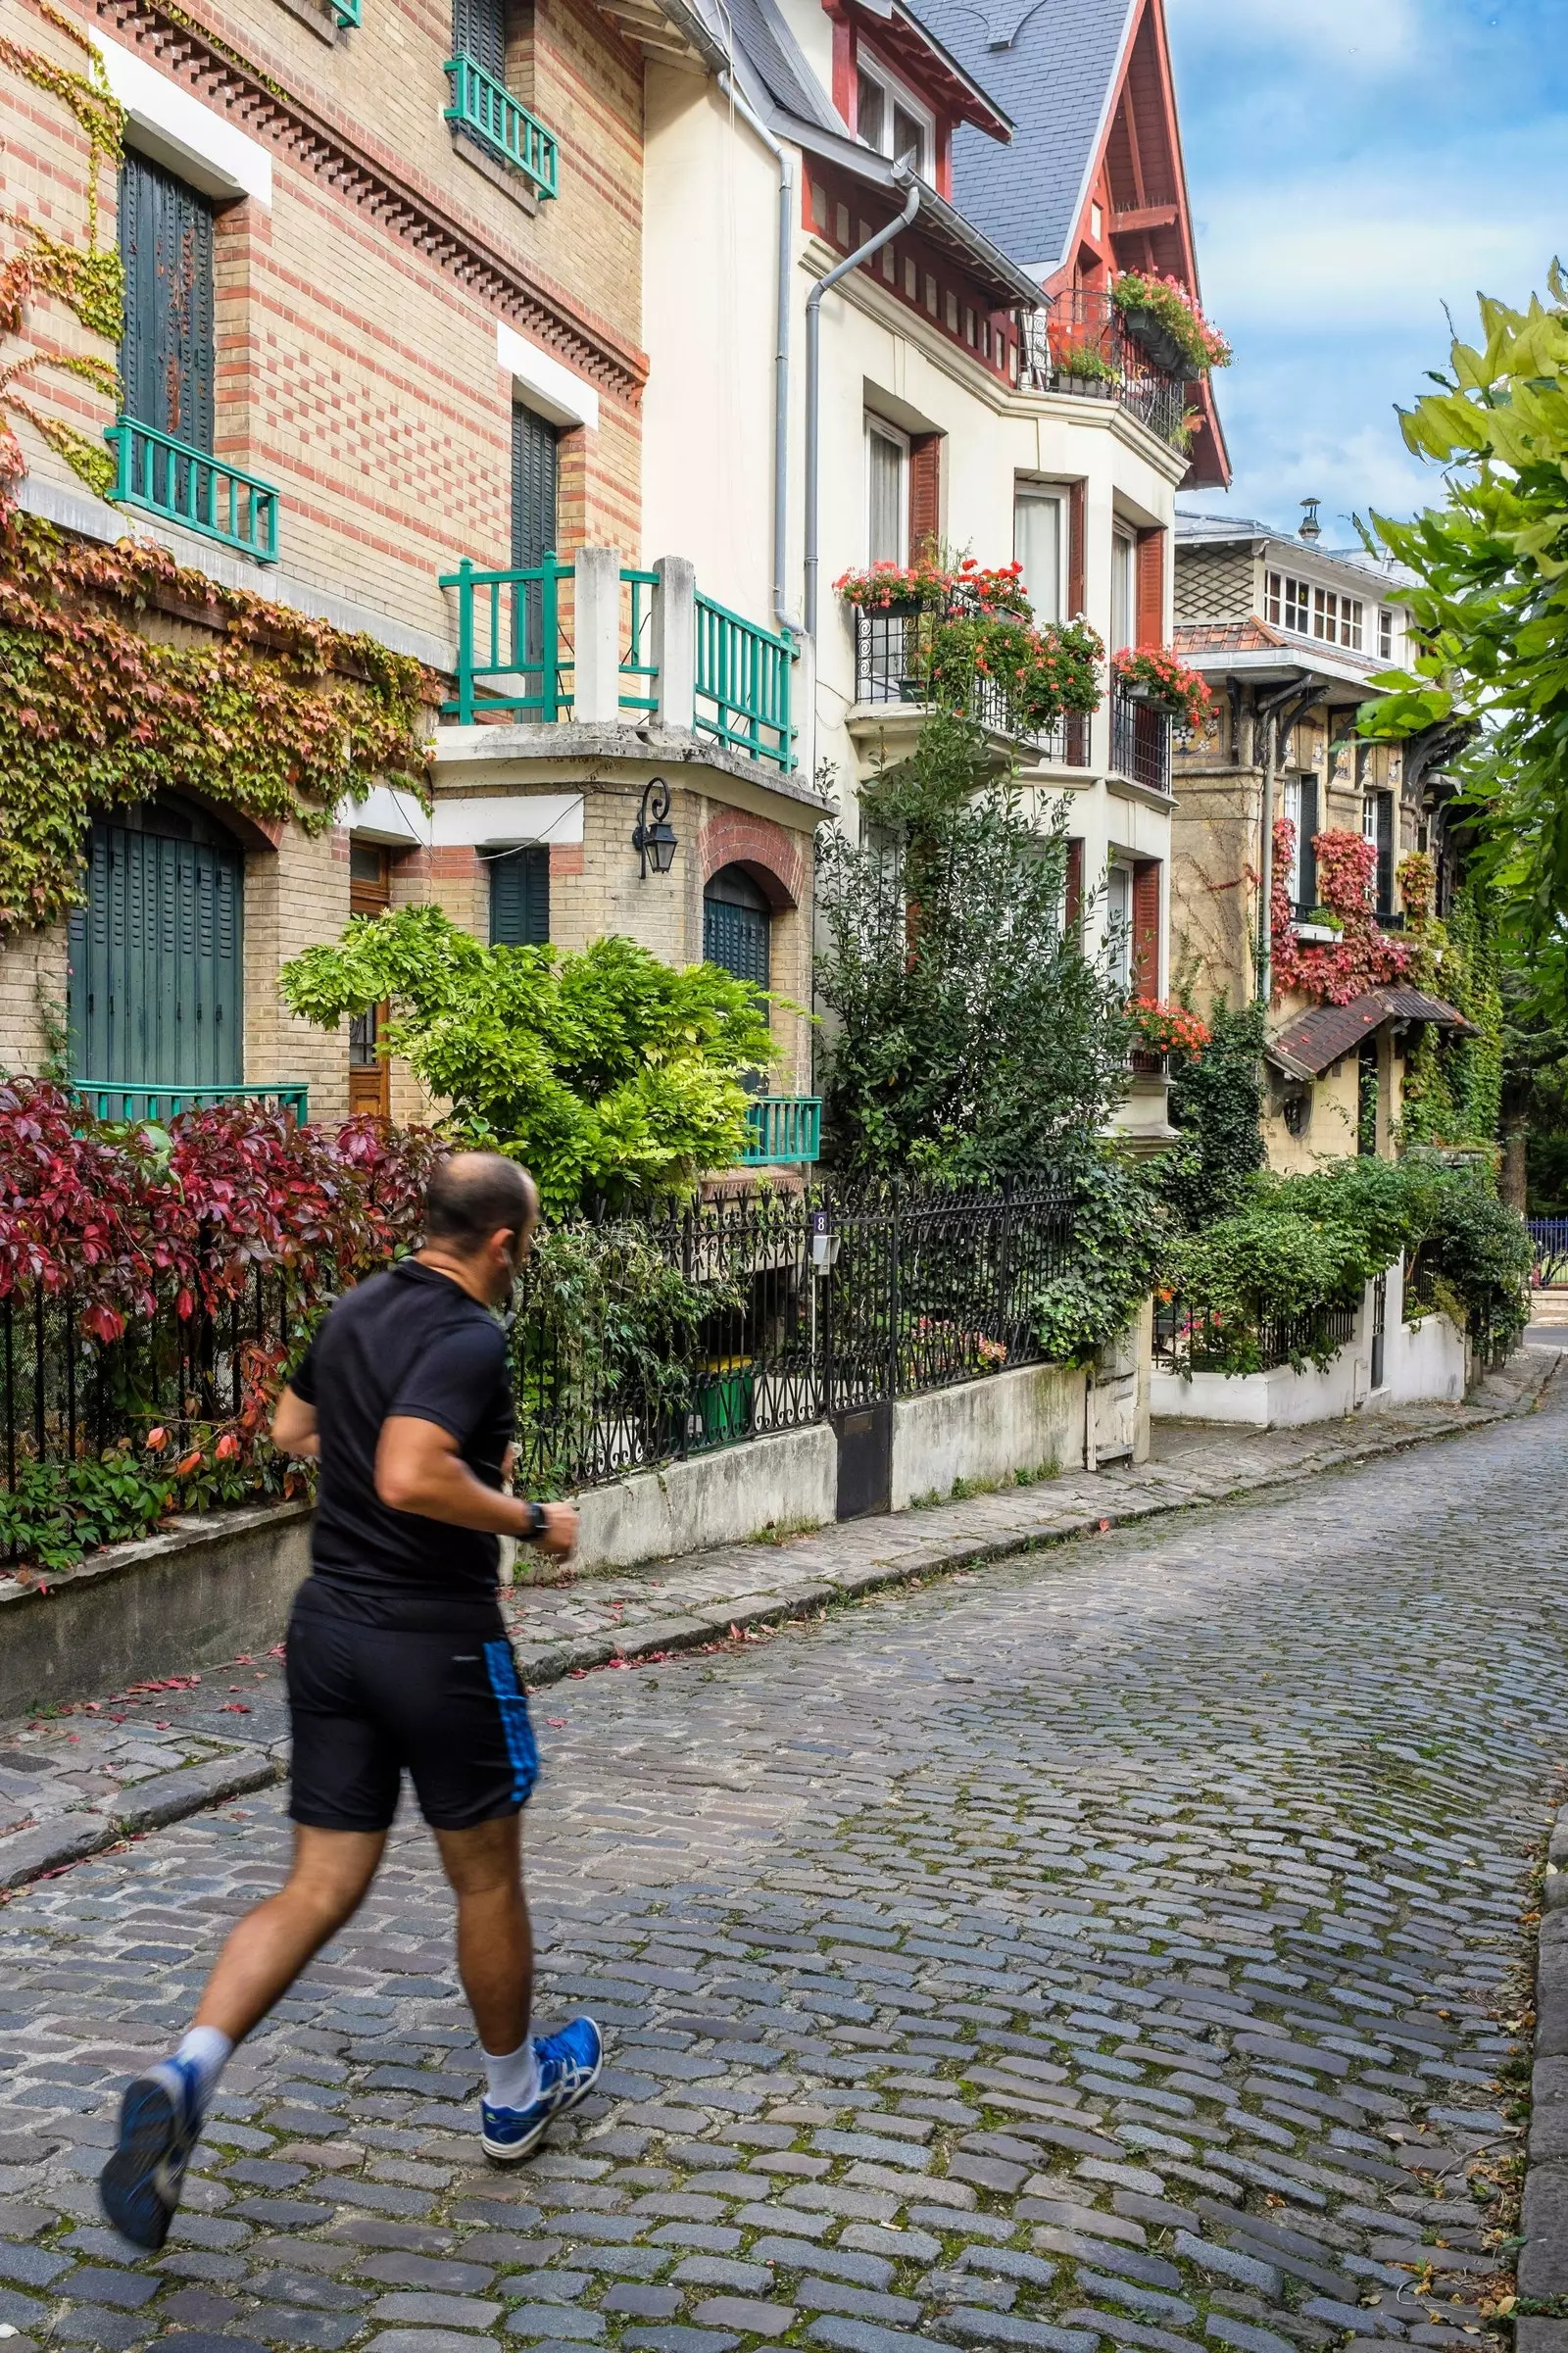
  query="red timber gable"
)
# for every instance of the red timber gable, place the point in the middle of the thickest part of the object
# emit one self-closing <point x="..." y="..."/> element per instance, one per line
<point x="1134" y="212"/>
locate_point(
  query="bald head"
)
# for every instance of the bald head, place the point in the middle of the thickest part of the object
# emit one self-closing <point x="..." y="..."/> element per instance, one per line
<point x="473" y="1196"/>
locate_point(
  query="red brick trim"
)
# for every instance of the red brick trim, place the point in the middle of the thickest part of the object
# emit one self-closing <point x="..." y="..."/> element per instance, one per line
<point x="195" y="61"/>
<point x="772" y="855"/>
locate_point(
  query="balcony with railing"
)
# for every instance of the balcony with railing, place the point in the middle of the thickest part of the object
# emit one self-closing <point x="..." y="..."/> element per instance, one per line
<point x="484" y="109"/>
<point x="597" y="642"/>
<point x="1140" y="742"/>
<point x="155" y="1104"/>
<point x="1079" y="343"/>
<point x="190" y="486"/>
<point x="891" y="649"/>
<point x="784" y="1130"/>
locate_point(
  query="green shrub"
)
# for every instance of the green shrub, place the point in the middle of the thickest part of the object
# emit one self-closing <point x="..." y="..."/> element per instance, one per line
<point x="1113" y="1258"/>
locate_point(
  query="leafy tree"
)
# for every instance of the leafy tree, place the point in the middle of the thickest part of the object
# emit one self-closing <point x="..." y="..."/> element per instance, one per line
<point x="973" y="1039"/>
<point x="1216" y="1103"/>
<point x="1491" y="611"/>
<point x="615" y="1077"/>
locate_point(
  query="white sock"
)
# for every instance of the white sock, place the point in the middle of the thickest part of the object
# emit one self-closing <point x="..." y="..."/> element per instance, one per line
<point x="207" y="2049"/>
<point x="512" y="2082"/>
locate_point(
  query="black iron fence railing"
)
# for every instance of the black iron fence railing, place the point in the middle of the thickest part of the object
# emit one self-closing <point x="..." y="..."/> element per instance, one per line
<point x="892" y="650"/>
<point x="66" y="1395"/>
<point x="1190" y="1337"/>
<point x="1548" y="1237"/>
<point x="790" y="1307"/>
<point x="1078" y="344"/>
<point x="1140" y="742"/>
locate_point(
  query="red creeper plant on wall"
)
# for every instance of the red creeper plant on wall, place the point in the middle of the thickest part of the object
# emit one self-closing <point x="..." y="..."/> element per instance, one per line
<point x="1362" y="958"/>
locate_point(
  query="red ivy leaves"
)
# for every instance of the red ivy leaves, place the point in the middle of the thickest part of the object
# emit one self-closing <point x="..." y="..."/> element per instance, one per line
<point x="102" y="1211"/>
<point x="1363" y="956"/>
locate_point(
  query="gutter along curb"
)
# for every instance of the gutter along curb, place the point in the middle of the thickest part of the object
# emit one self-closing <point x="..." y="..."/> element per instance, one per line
<point x="1119" y="1496"/>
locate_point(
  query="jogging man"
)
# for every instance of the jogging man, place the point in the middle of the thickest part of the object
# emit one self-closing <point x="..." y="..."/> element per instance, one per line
<point x="398" y="1659"/>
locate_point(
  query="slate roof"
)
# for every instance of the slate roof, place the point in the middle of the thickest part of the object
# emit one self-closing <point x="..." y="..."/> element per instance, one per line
<point x="765" y="43"/>
<point x="1050" y="66"/>
<point x="1306" y="1047"/>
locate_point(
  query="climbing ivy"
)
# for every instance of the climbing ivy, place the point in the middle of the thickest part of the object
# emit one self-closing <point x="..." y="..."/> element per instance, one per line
<point x="1452" y="1084"/>
<point x="90" y="283"/>
<point x="270" y="712"/>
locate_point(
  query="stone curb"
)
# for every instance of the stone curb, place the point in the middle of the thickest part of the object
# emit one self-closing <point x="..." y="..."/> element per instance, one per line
<point x="172" y="1797"/>
<point x="1544" y="2225"/>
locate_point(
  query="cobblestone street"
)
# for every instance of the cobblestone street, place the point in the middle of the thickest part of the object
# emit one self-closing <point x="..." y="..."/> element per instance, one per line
<point x="1116" y="1946"/>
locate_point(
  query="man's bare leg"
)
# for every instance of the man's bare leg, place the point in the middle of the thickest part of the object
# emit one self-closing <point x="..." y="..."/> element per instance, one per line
<point x="161" y="2117"/>
<point x="495" y="1941"/>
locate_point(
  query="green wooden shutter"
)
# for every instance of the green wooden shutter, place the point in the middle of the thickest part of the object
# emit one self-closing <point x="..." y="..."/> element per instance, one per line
<point x="479" y="31"/>
<point x="534" y="473"/>
<point x="1309" y="828"/>
<point x="520" y="899"/>
<point x="156" y="961"/>
<point x="165" y="359"/>
<point x="737" y="926"/>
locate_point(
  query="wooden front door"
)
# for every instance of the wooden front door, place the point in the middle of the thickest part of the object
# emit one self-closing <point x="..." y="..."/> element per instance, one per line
<point x="370" y="1074"/>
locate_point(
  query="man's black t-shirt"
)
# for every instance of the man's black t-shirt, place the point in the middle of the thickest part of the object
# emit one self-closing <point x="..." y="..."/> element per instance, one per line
<point x="407" y="1341"/>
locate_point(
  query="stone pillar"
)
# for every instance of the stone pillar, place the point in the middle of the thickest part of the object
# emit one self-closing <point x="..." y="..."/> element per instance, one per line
<point x="674" y="635"/>
<point x="596" y="637"/>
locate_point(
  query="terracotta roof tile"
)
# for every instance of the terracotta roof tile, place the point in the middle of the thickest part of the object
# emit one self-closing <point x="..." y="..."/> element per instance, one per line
<point x="1250" y="636"/>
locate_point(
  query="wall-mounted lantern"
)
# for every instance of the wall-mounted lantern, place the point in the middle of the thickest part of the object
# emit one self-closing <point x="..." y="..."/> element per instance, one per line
<point x="652" y="837"/>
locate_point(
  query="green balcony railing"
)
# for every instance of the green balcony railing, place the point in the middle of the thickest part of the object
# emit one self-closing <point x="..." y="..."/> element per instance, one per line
<point x="110" y="1098"/>
<point x="486" y="110"/>
<point x="347" y="13"/>
<point x="784" y="1129"/>
<point x="511" y="655"/>
<point x="743" y="685"/>
<point x="192" y="487"/>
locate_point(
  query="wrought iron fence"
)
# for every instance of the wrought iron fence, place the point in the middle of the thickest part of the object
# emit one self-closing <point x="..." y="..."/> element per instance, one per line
<point x="66" y="1395"/>
<point x="1548" y="1237"/>
<point x="1190" y="1337"/>
<point x="791" y="1306"/>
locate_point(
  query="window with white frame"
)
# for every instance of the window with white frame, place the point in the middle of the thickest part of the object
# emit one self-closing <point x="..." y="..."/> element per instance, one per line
<point x="1037" y="544"/>
<point x="887" y="493"/>
<point x="1310" y="611"/>
<point x="1124" y="598"/>
<point x="891" y="119"/>
<point x="1388" y="632"/>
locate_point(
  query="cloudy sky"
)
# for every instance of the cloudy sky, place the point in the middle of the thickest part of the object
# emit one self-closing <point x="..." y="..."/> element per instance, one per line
<point x="1353" y="166"/>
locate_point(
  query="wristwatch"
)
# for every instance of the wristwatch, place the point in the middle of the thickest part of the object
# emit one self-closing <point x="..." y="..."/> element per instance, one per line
<point x="538" y="1522"/>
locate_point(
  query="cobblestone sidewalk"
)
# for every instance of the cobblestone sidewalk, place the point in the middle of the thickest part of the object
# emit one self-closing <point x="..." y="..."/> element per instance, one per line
<point x="72" y="1785"/>
<point x="1114" y="1950"/>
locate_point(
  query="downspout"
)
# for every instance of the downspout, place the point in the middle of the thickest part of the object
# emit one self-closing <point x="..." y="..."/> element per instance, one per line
<point x="904" y="177"/>
<point x="1268" y="713"/>
<point x="781" y="354"/>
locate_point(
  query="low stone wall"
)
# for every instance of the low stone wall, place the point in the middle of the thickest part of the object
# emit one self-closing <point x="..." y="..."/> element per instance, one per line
<point x="985" y="1431"/>
<point x="787" y="1481"/>
<point x="190" y="1597"/>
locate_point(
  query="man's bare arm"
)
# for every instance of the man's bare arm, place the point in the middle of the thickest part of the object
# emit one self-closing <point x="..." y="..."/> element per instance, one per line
<point x="294" y="1428"/>
<point x="419" y="1468"/>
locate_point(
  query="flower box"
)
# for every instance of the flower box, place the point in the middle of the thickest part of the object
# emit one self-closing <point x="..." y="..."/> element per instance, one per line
<point x="1157" y="344"/>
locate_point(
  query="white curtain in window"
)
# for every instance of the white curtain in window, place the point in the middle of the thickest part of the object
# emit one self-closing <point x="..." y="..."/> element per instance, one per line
<point x="1121" y="593"/>
<point x="1292" y="818"/>
<point x="885" y="462"/>
<point x="1037" y="545"/>
<point x="1119" y="922"/>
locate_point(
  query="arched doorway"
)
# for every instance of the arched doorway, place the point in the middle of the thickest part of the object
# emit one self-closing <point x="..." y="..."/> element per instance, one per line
<point x="157" y="953"/>
<point x="738" y="925"/>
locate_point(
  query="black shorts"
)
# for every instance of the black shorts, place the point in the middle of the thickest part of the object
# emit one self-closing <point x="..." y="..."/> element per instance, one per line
<point x="369" y="1702"/>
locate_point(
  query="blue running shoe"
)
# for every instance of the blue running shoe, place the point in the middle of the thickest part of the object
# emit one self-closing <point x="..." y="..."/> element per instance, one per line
<point x="160" y="2124"/>
<point x="568" y="2068"/>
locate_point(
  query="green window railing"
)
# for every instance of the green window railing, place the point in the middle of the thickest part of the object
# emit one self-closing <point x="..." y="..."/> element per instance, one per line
<point x="743" y="685"/>
<point x="108" y="1098"/>
<point x="486" y="109"/>
<point x="347" y="13"/>
<point x="638" y="670"/>
<point x="783" y="1129"/>
<point x="194" y="488"/>
<point x="511" y="651"/>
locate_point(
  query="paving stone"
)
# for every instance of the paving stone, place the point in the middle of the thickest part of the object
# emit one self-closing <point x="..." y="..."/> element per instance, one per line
<point x="421" y="2309"/>
<point x="737" y="2312"/>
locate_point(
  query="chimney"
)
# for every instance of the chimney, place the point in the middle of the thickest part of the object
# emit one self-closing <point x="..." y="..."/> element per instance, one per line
<point x="1311" y="528"/>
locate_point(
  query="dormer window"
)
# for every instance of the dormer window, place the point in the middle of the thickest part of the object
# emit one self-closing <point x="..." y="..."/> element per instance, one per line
<point x="1310" y="610"/>
<point x="890" y="118"/>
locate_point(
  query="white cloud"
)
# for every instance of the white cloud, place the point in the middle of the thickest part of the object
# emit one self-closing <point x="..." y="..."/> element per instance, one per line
<point x="1370" y="35"/>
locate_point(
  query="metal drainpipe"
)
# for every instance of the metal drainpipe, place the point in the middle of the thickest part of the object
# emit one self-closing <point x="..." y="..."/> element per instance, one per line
<point x="1268" y="710"/>
<point x="781" y="356"/>
<point x="902" y="178"/>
